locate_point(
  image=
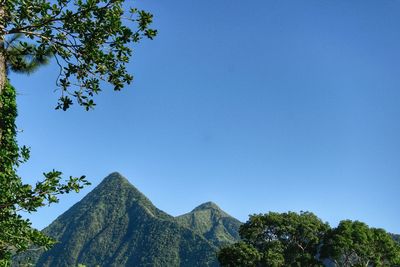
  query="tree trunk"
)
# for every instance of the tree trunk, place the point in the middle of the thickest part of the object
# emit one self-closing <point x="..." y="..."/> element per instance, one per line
<point x="2" y="67"/>
<point x="2" y="52"/>
<point x="3" y="76"/>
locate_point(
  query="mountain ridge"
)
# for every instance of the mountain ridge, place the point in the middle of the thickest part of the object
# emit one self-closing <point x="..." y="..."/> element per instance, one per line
<point x="117" y="225"/>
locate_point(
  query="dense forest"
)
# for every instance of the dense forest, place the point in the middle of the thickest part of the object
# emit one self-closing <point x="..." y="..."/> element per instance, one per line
<point x="116" y="225"/>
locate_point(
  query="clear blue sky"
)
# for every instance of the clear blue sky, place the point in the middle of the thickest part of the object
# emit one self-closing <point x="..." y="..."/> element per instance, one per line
<point x="256" y="105"/>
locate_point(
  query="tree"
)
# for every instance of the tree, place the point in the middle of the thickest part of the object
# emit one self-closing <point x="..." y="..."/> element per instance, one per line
<point x="89" y="41"/>
<point x="239" y="254"/>
<point x="291" y="239"/>
<point x="286" y="239"/>
<point x="353" y="243"/>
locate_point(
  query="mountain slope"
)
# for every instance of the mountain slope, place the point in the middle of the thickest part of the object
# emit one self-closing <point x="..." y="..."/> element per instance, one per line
<point x="116" y="225"/>
<point x="396" y="237"/>
<point x="213" y="223"/>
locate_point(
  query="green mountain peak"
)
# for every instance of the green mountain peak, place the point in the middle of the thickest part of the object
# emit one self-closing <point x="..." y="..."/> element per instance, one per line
<point x="116" y="182"/>
<point x="115" y="177"/>
<point x="207" y="205"/>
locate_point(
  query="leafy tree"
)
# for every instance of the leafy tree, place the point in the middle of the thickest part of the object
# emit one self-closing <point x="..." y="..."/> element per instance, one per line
<point x="286" y="239"/>
<point x="89" y="40"/>
<point x="353" y="243"/>
<point x="291" y="239"/>
<point x="239" y="254"/>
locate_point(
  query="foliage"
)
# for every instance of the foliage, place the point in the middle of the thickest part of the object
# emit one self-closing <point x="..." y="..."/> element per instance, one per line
<point x="88" y="39"/>
<point x="291" y="239"/>
<point x="16" y="233"/>
<point x="239" y="254"/>
<point x="353" y="243"/>
<point x="287" y="239"/>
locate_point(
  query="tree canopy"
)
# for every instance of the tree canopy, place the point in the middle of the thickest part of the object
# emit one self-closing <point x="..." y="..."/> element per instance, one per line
<point x="292" y="239"/>
<point x="89" y="41"/>
<point x="287" y="239"/>
<point x="353" y="243"/>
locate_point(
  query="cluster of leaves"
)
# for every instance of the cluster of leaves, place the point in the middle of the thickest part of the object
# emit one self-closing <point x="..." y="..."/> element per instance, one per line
<point x="355" y="244"/>
<point x="291" y="239"/>
<point x="88" y="39"/>
<point x="16" y="233"/>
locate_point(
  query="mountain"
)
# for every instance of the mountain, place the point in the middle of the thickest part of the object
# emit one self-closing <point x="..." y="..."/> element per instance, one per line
<point x="116" y="225"/>
<point x="213" y="223"/>
<point x="396" y="237"/>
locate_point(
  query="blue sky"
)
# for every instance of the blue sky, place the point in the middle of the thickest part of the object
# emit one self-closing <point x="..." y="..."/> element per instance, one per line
<point x="256" y="105"/>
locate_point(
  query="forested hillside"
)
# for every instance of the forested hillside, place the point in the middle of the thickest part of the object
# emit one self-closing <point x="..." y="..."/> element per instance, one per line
<point x="116" y="225"/>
